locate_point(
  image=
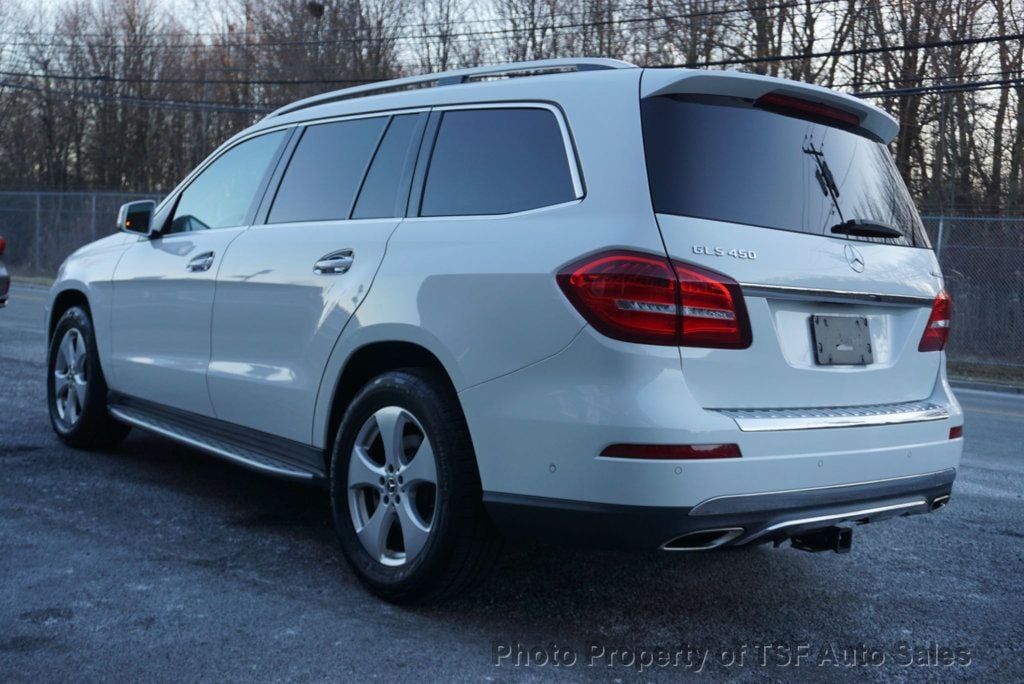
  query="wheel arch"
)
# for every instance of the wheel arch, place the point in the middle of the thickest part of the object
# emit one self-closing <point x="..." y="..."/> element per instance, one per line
<point x="62" y="301"/>
<point x="365" y="363"/>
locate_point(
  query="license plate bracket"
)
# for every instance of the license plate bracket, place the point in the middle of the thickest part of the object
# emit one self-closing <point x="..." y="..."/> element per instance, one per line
<point x="841" y="340"/>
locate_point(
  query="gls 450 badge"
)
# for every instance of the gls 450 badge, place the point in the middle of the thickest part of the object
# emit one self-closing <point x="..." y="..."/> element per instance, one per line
<point x="722" y="251"/>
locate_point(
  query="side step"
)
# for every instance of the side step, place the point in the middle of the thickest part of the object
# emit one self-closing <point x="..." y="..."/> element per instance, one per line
<point x="249" y="448"/>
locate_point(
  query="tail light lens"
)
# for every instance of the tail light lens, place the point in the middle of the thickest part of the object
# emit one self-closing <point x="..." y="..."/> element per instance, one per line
<point x="3" y="246"/>
<point x="936" y="333"/>
<point x="650" y="300"/>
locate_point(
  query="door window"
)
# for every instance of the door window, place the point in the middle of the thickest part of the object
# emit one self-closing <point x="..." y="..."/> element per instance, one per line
<point x="379" y="197"/>
<point x="325" y="171"/>
<point x="223" y="193"/>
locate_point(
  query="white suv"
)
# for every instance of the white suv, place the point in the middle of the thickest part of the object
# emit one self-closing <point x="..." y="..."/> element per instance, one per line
<point x="669" y="309"/>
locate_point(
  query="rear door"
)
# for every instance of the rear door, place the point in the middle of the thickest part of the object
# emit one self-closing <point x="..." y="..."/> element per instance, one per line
<point x="289" y="285"/>
<point x="759" y="190"/>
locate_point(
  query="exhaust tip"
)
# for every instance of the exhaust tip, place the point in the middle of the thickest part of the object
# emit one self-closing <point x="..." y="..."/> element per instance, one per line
<point x="939" y="502"/>
<point x="703" y="540"/>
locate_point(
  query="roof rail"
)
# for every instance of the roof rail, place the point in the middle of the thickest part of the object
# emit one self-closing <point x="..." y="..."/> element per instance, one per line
<point x="458" y="76"/>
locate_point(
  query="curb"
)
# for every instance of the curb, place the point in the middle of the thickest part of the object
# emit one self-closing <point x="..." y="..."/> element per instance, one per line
<point x="986" y="386"/>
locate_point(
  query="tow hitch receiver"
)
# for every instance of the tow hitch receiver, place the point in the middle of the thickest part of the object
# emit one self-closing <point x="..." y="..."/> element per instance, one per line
<point x="835" y="538"/>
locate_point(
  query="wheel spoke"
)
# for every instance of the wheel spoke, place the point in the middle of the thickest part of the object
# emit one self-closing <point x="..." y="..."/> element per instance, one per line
<point x="60" y="384"/>
<point x="67" y="351"/>
<point x="79" y="346"/>
<point x="374" y="534"/>
<point x="422" y="467"/>
<point x="414" y="532"/>
<point x="78" y="389"/>
<point x="362" y="471"/>
<point x="71" y="408"/>
<point x="391" y="422"/>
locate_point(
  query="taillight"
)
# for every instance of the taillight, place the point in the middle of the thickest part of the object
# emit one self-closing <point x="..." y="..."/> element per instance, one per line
<point x="648" y="299"/>
<point x="3" y="246"/>
<point x="669" y="452"/>
<point x="713" y="312"/>
<point x="937" y="331"/>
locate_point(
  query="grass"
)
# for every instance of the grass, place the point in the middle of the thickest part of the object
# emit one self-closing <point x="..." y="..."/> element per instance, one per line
<point x="983" y="372"/>
<point x="32" y="280"/>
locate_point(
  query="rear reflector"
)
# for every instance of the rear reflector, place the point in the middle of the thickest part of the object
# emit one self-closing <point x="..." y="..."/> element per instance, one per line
<point x="649" y="300"/>
<point x="936" y="333"/>
<point x="797" y="105"/>
<point x="956" y="432"/>
<point x="667" y="452"/>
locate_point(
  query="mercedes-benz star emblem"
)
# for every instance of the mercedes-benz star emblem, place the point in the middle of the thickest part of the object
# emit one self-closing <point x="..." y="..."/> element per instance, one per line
<point x="854" y="258"/>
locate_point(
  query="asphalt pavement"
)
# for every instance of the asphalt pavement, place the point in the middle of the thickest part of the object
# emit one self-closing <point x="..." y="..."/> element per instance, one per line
<point x="155" y="562"/>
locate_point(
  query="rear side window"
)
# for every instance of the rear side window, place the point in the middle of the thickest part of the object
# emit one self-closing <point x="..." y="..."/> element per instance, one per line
<point x="496" y="161"/>
<point x="222" y="194"/>
<point x="727" y="160"/>
<point x="379" y="196"/>
<point x="325" y="171"/>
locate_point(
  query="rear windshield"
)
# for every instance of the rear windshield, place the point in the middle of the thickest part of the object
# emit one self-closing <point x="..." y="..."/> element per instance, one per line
<point x="728" y="160"/>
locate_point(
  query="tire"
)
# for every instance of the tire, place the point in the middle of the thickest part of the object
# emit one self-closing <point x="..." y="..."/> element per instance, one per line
<point x="76" y="391"/>
<point x="417" y="407"/>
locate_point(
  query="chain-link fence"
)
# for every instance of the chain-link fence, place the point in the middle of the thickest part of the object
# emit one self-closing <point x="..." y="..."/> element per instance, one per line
<point x="982" y="258"/>
<point x="42" y="228"/>
<point x="983" y="261"/>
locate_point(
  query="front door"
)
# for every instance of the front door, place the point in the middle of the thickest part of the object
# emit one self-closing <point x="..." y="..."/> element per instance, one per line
<point x="163" y="286"/>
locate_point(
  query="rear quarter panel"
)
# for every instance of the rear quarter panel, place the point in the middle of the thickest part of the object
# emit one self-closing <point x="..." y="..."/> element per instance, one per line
<point x="480" y="292"/>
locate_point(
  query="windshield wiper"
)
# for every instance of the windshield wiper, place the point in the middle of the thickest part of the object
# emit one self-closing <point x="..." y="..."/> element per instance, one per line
<point x="867" y="228"/>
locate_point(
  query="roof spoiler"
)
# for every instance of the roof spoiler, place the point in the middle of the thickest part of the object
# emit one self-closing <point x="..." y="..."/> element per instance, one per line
<point x="752" y="86"/>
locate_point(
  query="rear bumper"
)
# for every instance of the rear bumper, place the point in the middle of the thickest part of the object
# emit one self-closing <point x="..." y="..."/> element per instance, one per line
<point x="740" y="519"/>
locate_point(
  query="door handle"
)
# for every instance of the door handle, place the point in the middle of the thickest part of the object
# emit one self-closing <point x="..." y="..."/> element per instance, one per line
<point x="334" y="263"/>
<point x="201" y="263"/>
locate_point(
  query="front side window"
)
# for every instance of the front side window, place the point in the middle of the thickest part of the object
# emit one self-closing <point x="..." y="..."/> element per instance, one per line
<point x="496" y="161"/>
<point x="223" y="193"/>
<point x="323" y="176"/>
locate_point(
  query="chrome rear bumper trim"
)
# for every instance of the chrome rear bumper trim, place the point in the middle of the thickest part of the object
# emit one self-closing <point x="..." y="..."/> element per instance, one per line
<point x="855" y="515"/>
<point x="820" y="295"/>
<point x="764" y="420"/>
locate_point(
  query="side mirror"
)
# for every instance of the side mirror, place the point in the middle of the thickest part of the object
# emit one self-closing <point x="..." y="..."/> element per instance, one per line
<point x="136" y="217"/>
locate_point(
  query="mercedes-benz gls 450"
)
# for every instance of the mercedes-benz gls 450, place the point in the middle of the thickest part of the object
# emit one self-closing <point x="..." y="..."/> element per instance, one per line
<point x="668" y="309"/>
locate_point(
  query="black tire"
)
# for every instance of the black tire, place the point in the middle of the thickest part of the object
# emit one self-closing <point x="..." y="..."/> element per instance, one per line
<point x="92" y="427"/>
<point x="462" y="545"/>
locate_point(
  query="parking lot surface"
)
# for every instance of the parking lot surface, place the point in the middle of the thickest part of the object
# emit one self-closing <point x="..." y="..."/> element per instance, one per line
<point x="155" y="562"/>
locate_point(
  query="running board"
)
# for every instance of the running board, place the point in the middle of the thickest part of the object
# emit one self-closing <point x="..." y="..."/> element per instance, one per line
<point x="252" y="449"/>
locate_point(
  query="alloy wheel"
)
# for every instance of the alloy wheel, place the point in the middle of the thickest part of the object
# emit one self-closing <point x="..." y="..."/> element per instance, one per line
<point x="392" y="486"/>
<point x="70" y="378"/>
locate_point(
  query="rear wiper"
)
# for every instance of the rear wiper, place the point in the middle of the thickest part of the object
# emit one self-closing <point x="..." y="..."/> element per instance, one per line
<point x="867" y="228"/>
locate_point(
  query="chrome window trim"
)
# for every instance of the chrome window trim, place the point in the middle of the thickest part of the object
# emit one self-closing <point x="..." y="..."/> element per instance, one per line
<point x="788" y="292"/>
<point x="768" y="420"/>
<point x="233" y="142"/>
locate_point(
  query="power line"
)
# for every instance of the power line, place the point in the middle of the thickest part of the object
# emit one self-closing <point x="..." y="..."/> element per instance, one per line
<point x="856" y="51"/>
<point x="946" y="88"/>
<point x="188" y="105"/>
<point x="100" y="78"/>
<point x="463" y="34"/>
